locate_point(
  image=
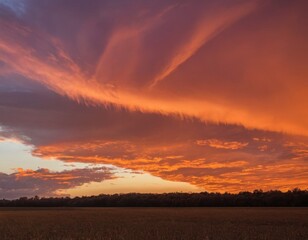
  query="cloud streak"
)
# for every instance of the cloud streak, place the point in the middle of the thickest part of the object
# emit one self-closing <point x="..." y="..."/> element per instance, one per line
<point x="205" y="30"/>
<point x="215" y="143"/>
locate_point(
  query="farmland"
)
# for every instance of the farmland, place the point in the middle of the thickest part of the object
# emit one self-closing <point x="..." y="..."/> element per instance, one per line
<point x="153" y="223"/>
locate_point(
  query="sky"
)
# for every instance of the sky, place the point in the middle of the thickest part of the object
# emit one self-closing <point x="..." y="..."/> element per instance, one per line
<point x="122" y="96"/>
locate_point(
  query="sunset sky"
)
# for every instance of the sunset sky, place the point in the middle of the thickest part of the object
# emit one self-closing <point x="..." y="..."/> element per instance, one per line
<point x="104" y="96"/>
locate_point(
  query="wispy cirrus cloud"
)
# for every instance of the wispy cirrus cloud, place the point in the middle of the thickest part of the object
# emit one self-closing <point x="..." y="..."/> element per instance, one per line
<point x="138" y="52"/>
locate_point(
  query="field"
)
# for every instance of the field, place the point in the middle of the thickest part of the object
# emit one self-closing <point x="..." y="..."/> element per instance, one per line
<point x="154" y="223"/>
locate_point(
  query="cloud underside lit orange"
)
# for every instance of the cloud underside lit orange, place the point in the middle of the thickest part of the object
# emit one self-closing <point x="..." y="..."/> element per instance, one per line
<point x="213" y="171"/>
<point x="217" y="98"/>
<point x="215" y="157"/>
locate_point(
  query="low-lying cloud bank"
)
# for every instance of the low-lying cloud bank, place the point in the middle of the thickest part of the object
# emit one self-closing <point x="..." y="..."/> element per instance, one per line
<point x="42" y="182"/>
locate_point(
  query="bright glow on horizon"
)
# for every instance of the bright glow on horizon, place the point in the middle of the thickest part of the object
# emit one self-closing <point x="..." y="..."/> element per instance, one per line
<point x="15" y="156"/>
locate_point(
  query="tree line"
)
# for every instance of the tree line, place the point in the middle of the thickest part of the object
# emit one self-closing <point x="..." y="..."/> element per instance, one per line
<point x="257" y="198"/>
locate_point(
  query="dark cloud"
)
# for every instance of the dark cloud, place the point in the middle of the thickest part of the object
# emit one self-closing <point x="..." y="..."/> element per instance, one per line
<point x="42" y="182"/>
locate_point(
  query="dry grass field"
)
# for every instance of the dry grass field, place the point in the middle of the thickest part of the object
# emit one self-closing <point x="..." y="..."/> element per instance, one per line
<point x="154" y="223"/>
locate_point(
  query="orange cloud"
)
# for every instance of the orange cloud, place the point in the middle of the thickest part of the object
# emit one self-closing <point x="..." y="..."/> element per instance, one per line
<point x="127" y="65"/>
<point x="215" y="172"/>
<point x="205" y="30"/>
<point x="215" y="143"/>
<point x="215" y="157"/>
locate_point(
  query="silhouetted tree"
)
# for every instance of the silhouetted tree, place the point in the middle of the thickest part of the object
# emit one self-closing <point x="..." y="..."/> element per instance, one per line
<point x="257" y="198"/>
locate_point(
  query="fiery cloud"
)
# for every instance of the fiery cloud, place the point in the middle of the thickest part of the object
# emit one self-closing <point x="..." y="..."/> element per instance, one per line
<point x="215" y="143"/>
<point x="215" y="171"/>
<point x="203" y="56"/>
<point x="212" y="156"/>
<point x="217" y="98"/>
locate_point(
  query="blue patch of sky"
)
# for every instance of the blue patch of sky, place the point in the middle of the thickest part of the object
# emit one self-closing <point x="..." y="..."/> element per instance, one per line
<point x="18" y="6"/>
